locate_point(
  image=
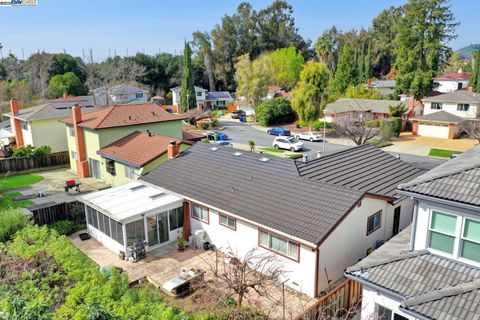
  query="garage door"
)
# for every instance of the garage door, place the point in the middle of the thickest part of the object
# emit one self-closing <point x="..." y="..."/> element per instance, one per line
<point x="431" y="130"/>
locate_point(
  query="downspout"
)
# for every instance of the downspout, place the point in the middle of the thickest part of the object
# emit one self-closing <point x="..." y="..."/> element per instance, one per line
<point x="315" y="291"/>
<point x="414" y="225"/>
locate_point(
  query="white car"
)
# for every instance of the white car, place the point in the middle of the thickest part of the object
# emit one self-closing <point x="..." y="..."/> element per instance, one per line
<point x="287" y="143"/>
<point x="310" y="135"/>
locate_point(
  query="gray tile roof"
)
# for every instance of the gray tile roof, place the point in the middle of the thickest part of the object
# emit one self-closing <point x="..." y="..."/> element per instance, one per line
<point x="55" y="109"/>
<point x="364" y="168"/>
<point x="430" y="285"/>
<point x="459" y="96"/>
<point x="351" y="104"/>
<point x="440" y="116"/>
<point x="268" y="193"/>
<point x="456" y="180"/>
<point x="218" y="95"/>
<point x="383" y="84"/>
<point x="120" y="89"/>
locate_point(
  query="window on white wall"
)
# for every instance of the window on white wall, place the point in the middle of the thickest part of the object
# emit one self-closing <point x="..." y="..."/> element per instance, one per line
<point x="73" y="155"/>
<point x="24" y="125"/>
<point x="374" y="222"/>
<point x="278" y="244"/>
<point x="227" y="221"/>
<point x="382" y="313"/>
<point x="442" y="231"/>
<point x="463" y="107"/>
<point x="471" y="240"/>
<point x="200" y="213"/>
<point x="176" y="218"/>
<point x="436" y="106"/>
<point x="130" y="172"/>
<point x="71" y="131"/>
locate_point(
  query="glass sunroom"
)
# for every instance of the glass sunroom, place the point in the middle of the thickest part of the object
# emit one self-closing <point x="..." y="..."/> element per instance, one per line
<point x="120" y="216"/>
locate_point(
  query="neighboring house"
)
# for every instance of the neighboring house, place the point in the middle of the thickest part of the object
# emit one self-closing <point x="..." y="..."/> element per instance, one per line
<point x="205" y="99"/>
<point x="443" y="113"/>
<point x="6" y="135"/>
<point x="277" y="92"/>
<point x="93" y="137"/>
<point x="383" y="87"/>
<point x="351" y="109"/>
<point x="40" y="126"/>
<point x="119" y="94"/>
<point x="431" y="271"/>
<point x="257" y="202"/>
<point x="451" y="82"/>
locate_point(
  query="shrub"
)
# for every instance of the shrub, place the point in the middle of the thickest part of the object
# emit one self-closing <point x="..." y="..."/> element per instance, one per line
<point x="63" y="227"/>
<point x="204" y="125"/>
<point x="12" y="221"/>
<point x="390" y="128"/>
<point x="317" y="125"/>
<point x="31" y="152"/>
<point x="215" y="122"/>
<point x="275" y="111"/>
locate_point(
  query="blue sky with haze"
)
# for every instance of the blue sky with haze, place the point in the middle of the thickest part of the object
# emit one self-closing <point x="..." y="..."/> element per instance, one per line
<point x="162" y="25"/>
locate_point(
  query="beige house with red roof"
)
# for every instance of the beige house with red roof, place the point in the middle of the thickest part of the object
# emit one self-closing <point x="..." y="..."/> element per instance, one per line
<point x="120" y="143"/>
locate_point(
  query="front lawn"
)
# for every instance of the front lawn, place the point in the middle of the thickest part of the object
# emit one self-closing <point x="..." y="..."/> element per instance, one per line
<point x="6" y="201"/>
<point x="18" y="181"/>
<point x="442" y="153"/>
<point x="270" y="149"/>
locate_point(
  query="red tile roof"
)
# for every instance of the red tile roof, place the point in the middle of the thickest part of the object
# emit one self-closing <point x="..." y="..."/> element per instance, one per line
<point x="126" y="115"/>
<point x="137" y="148"/>
<point x="454" y="76"/>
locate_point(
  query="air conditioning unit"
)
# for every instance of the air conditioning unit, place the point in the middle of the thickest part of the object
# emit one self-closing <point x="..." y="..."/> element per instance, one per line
<point x="198" y="238"/>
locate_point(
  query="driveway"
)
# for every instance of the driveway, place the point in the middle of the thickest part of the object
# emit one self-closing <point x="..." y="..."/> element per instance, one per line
<point x="418" y="143"/>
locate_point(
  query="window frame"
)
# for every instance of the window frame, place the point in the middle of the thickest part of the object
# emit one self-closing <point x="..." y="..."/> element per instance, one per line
<point x="459" y="105"/>
<point x="379" y="212"/>
<point x="207" y="221"/>
<point x="138" y="95"/>
<point x="270" y="234"/>
<point x="24" y="125"/>
<point x="227" y="217"/>
<point x="73" y="155"/>
<point x="174" y="213"/>
<point x="71" y="131"/>
<point x="462" y="239"/>
<point x="129" y="172"/>
<point x="439" y="106"/>
<point x="454" y="235"/>
<point x="110" y="167"/>
<point x="392" y="313"/>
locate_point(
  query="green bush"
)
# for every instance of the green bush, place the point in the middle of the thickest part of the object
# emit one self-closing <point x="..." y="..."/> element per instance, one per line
<point x="275" y="111"/>
<point x="64" y="227"/>
<point x="317" y="125"/>
<point x="11" y="221"/>
<point x="31" y="152"/>
<point x="204" y="125"/>
<point x="390" y="128"/>
<point x="215" y="122"/>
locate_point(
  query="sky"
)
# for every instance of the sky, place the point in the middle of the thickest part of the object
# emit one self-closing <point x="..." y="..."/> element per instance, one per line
<point x="152" y="26"/>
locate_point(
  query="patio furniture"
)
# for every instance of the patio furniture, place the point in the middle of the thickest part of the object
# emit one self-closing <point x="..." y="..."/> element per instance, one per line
<point x="72" y="184"/>
<point x="137" y="250"/>
<point x="181" y="285"/>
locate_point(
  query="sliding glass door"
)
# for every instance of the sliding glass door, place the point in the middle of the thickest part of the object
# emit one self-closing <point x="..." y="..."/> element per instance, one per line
<point x="157" y="228"/>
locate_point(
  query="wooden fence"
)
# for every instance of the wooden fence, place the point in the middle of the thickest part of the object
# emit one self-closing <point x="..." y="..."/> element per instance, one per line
<point x="25" y="164"/>
<point x="342" y="300"/>
<point x="51" y="212"/>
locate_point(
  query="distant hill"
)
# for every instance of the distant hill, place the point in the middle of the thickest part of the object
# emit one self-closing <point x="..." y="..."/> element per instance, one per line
<point x="467" y="51"/>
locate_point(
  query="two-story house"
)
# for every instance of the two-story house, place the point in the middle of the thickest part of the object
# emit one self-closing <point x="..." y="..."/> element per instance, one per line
<point x="431" y="270"/>
<point x="120" y="143"/>
<point x="443" y="114"/>
<point x="239" y="201"/>
<point x="205" y="99"/>
<point x="451" y="82"/>
<point x="119" y="94"/>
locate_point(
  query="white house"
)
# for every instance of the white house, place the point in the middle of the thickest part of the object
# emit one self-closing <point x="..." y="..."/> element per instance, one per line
<point x="252" y="201"/>
<point x="431" y="271"/>
<point x="205" y="99"/>
<point x="443" y="113"/>
<point x="119" y="94"/>
<point x="452" y="81"/>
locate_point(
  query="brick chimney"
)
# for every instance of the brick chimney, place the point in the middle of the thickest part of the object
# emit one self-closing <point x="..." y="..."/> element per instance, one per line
<point x="82" y="163"/>
<point x="173" y="149"/>
<point x="470" y="89"/>
<point x="16" y="123"/>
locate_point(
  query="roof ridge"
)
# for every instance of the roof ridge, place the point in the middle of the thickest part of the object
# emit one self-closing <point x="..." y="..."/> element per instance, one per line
<point x="106" y="115"/>
<point x="442" y="293"/>
<point x="402" y="256"/>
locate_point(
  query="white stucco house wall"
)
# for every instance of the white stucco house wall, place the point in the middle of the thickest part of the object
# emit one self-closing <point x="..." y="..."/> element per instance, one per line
<point x="119" y="94"/>
<point x="200" y="95"/>
<point x="451" y="82"/>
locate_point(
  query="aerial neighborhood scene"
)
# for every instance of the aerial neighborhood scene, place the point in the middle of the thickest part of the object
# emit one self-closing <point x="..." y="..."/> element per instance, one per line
<point x="229" y="160"/>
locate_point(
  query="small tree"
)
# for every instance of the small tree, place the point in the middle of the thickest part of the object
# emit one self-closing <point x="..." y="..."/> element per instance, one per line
<point x="251" y="144"/>
<point x="187" y="95"/>
<point x="398" y="110"/>
<point x="66" y="83"/>
<point x="359" y="131"/>
<point x="471" y="128"/>
<point x="275" y="111"/>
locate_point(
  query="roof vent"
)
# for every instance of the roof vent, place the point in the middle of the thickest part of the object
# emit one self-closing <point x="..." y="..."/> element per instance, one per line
<point x="214" y="148"/>
<point x="138" y="187"/>
<point x="158" y="195"/>
<point x="264" y="159"/>
<point x="237" y="154"/>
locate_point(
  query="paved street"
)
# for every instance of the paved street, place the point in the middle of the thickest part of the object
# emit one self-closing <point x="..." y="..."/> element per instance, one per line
<point x="241" y="133"/>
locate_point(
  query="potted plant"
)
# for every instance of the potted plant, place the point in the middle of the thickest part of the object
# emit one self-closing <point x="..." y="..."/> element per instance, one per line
<point x="182" y="243"/>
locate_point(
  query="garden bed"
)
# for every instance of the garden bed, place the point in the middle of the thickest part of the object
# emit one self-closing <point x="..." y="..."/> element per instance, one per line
<point x="442" y="153"/>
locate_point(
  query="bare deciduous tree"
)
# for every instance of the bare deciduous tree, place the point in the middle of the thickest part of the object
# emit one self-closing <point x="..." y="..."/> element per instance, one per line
<point x="471" y="128"/>
<point x="38" y="66"/>
<point x="359" y="131"/>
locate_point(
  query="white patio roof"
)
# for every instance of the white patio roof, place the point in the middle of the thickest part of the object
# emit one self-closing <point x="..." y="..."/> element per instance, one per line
<point x="126" y="202"/>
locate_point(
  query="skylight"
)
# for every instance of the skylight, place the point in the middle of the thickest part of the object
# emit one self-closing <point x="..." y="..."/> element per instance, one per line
<point x="237" y="154"/>
<point x="214" y="148"/>
<point x="158" y="195"/>
<point x="264" y="159"/>
<point x="138" y="187"/>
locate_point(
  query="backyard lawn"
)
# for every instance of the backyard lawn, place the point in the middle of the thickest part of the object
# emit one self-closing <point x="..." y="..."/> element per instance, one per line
<point x="21" y="180"/>
<point x="6" y="201"/>
<point x="442" y="153"/>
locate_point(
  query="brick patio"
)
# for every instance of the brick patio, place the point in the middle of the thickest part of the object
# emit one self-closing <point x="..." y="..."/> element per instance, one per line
<point x="163" y="264"/>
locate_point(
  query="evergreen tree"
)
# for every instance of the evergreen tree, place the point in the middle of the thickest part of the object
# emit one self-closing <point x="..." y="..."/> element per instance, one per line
<point x="424" y="30"/>
<point x="475" y="78"/>
<point x="188" y="100"/>
<point x="347" y="71"/>
<point x="368" y="63"/>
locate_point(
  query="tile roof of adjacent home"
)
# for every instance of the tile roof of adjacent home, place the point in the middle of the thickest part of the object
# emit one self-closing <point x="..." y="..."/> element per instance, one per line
<point x="455" y="180"/>
<point x="55" y="109"/>
<point x="439" y="116"/>
<point x="364" y="168"/>
<point x="126" y="115"/>
<point x="382" y="84"/>
<point x="218" y="95"/>
<point x="268" y="193"/>
<point x="120" y="89"/>
<point x="458" y="96"/>
<point x="137" y="149"/>
<point x="427" y="285"/>
<point x="352" y="104"/>
<point x="453" y="76"/>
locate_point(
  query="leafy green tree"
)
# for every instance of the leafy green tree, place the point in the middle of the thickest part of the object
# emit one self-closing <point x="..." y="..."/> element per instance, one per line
<point x="67" y="83"/>
<point x="327" y="47"/>
<point x="11" y="221"/>
<point x="424" y="31"/>
<point x="253" y="78"/>
<point x="154" y="74"/>
<point x="187" y="94"/>
<point x="202" y="41"/>
<point x="38" y="68"/>
<point x="347" y="71"/>
<point x="361" y="92"/>
<point x="475" y="77"/>
<point x="275" y="111"/>
<point x="367" y="70"/>
<point x="309" y="97"/>
<point x="63" y="63"/>
<point x="286" y="65"/>
<point x="398" y="110"/>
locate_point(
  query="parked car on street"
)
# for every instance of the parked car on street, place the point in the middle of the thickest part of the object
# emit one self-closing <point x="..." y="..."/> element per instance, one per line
<point x="287" y="143"/>
<point x="223" y="143"/>
<point x="310" y="136"/>
<point x="277" y="131"/>
<point x="237" y="114"/>
<point x="216" y="136"/>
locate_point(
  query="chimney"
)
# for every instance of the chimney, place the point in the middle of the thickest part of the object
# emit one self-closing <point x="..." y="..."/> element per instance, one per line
<point x="65" y="95"/>
<point x="173" y="149"/>
<point x="412" y="103"/>
<point x="470" y="89"/>
<point x="83" y="170"/>
<point x="16" y="123"/>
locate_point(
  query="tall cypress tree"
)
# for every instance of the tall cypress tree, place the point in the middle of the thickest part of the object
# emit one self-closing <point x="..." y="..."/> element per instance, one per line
<point x="188" y="100"/>
<point x="347" y="70"/>
<point x="368" y="63"/>
<point x="475" y="78"/>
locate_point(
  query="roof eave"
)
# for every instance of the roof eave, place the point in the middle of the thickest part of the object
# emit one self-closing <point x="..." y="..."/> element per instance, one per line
<point x="440" y="200"/>
<point x="375" y="286"/>
<point x="414" y="314"/>
<point x="122" y="161"/>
